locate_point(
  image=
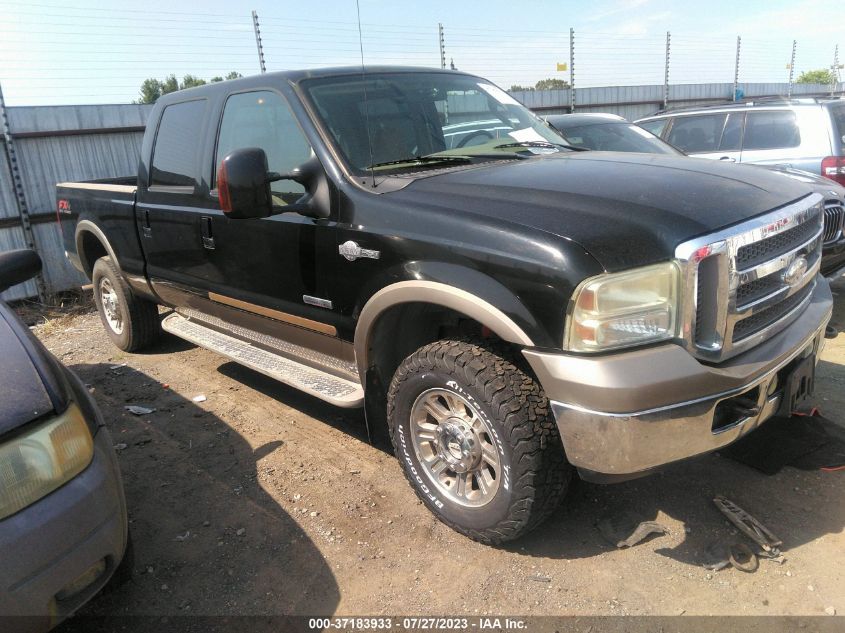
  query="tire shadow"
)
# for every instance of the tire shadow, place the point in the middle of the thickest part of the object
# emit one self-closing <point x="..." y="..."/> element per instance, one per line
<point x="208" y="540"/>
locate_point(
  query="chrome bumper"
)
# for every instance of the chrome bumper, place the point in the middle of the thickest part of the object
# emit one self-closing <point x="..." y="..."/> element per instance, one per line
<point x="631" y="412"/>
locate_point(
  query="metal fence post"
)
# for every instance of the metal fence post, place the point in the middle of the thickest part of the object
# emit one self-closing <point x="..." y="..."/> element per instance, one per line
<point x="834" y="71"/>
<point x="666" y="74"/>
<point x="736" y="66"/>
<point x="442" y="43"/>
<point x="20" y="196"/>
<point x="791" y="69"/>
<point x="572" y="69"/>
<point x="257" y="30"/>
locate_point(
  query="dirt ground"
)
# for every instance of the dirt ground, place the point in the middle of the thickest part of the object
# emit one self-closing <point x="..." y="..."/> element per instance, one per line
<point x="262" y="500"/>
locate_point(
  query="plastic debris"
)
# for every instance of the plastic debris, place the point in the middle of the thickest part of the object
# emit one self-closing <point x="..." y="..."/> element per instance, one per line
<point x="643" y="529"/>
<point x="138" y="410"/>
<point x="749" y="526"/>
<point x="183" y="537"/>
<point x="199" y="398"/>
<point x="115" y="367"/>
<point x="120" y="447"/>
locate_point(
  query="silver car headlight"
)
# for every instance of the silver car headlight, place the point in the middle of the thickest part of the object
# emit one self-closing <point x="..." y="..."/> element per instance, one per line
<point x="624" y="309"/>
<point x="35" y="463"/>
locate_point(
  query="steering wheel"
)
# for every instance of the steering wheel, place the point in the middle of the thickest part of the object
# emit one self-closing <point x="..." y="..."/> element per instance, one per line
<point x="467" y="139"/>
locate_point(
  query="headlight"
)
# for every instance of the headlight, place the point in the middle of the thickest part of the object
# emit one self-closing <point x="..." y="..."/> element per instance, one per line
<point x="37" y="462"/>
<point x="624" y="309"/>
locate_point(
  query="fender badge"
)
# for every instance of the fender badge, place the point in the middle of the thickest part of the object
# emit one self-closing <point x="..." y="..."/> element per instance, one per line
<point x="351" y="251"/>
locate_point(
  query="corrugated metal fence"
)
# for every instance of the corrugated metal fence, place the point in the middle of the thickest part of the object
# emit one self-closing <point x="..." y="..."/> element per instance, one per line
<point x="57" y="143"/>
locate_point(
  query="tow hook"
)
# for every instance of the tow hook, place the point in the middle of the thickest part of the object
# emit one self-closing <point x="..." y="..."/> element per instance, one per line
<point x="831" y="332"/>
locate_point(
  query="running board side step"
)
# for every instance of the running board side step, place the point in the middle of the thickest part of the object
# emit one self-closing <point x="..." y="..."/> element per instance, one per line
<point x="338" y="391"/>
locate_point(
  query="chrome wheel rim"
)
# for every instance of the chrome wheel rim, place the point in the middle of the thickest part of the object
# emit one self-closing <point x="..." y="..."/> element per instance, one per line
<point x="456" y="447"/>
<point x="111" y="307"/>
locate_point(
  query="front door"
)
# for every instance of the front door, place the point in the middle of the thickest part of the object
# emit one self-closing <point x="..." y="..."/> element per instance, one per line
<point x="278" y="266"/>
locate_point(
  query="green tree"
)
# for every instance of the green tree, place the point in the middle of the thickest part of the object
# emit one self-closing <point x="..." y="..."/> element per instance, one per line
<point x="152" y="89"/>
<point x="821" y="76"/>
<point x="518" y="88"/>
<point x="551" y="84"/>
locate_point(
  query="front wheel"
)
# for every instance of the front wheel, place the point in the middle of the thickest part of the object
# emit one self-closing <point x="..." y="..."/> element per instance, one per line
<point x="476" y="440"/>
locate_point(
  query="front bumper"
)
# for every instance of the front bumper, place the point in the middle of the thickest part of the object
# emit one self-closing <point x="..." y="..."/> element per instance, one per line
<point x="53" y="542"/>
<point x="627" y="413"/>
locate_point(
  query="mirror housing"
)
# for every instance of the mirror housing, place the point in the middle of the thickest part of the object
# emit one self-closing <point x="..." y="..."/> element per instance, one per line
<point x="243" y="186"/>
<point x="17" y="267"/>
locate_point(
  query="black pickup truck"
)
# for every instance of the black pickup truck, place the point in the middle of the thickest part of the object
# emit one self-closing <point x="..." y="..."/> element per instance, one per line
<point x="416" y="243"/>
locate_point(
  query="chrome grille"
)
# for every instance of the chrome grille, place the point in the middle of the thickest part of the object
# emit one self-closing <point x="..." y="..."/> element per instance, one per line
<point x="834" y="220"/>
<point x="747" y="283"/>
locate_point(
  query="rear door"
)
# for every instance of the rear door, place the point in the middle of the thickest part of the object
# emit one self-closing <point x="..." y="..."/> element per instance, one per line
<point x="715" y="135"/>
<point x="773" y="137"/>
<point x="169" y="204"/>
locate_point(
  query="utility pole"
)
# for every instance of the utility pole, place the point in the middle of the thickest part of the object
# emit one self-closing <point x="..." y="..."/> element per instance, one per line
<point x="666" y="74"/>
<point x="736" y="66"/>
<point x="17" y="185"/>
<point x="442" y="45"/>
<point x="791" y="69"/>
<point x="572" y="69"/>
<point x="257" y="30"/>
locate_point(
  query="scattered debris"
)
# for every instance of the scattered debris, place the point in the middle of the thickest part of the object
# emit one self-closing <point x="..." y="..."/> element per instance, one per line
<point x="314" y="514"/>
<point x="120" y="447"/>
<point x="199" y="398"/>
<point x="116" y="367"/>
<point x="743" y="559"/>
<point x="830" y="610"/>
<point x="539" y="578"/>
<point x="643" y="529"/>
<point x="717" y="556"/>
<point x="183" y="537"/>
<point x="749" y="526"/>
<point x="354" y="471"/>
<point x="138" y="410"/>
<point x="241" y="532"/>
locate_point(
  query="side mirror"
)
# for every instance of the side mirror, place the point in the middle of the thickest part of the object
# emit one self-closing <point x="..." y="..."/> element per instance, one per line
<point x="17" y="267"/>
<point x="243" y="185"/>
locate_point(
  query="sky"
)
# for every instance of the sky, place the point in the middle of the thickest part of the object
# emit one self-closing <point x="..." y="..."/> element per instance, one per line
<point x="79" y="51"/>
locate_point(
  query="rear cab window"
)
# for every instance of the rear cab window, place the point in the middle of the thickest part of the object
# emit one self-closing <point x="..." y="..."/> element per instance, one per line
<point x="174" y="162"/>
<point x="773" y="129"/>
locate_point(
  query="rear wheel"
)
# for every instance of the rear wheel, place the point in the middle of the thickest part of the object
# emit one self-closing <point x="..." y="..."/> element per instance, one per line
<point x="476" y="440"/>
<point x="131" y="322"/>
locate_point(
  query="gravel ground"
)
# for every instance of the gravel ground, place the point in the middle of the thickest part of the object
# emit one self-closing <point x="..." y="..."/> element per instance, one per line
<point x="262" y="500"/>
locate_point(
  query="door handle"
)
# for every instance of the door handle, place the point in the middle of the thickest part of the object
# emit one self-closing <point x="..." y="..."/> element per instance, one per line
<point x="207" y="237"/>
<point x="146" y="229"/>
<point x="728" y="159"/>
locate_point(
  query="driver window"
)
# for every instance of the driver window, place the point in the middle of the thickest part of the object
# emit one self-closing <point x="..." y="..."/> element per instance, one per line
<point x="263" y="119"/>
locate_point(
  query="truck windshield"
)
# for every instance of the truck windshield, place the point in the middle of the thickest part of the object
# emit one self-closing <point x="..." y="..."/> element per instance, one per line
<point x="415" y="118"/>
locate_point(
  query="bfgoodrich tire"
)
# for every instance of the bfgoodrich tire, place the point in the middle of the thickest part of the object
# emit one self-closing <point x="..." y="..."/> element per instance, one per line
<point x="476" y="440"/>
<point x="131" y="322"/>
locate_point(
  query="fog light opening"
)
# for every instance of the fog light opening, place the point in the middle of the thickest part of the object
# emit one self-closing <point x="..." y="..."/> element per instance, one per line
<point x="735" y="410"/>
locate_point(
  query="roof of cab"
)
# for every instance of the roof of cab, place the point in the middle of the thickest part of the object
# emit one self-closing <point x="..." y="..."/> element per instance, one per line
<point x="294" y="76"/>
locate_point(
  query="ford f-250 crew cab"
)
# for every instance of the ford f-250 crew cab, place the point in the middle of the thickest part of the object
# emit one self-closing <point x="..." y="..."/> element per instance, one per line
<point x="417" y="243"/>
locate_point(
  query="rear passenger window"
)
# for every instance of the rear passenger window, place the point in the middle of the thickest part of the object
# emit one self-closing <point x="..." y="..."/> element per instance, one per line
<point x="699" y="133"/>
<point x="771" y="130"/>
<point x="263" y="119"/>
<point x="177" y="140"/>
<point x="656" y="127"/>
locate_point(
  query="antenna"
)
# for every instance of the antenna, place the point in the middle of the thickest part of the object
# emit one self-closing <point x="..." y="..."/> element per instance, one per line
<point x="364" y="86"/>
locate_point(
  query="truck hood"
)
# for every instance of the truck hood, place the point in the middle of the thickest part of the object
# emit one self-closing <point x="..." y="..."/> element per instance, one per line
<point x="626" y="210"/>
<point x="29" y="387"/>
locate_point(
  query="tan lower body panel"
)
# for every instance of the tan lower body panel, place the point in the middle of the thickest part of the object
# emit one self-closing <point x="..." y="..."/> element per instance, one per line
<point x="317" y="326"/>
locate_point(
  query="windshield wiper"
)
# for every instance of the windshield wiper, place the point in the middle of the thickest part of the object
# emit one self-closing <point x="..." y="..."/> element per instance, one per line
<point x="546" y="144"/>
<point x="422" y="160"/>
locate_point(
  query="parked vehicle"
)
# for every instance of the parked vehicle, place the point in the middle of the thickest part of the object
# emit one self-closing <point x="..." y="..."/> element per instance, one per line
<point x="506" y="310"/>
<point x="806" y="134"/>
<point x="608" y="133"/>
<point x="611" y="132"/>
<point x="63" y="524"/>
